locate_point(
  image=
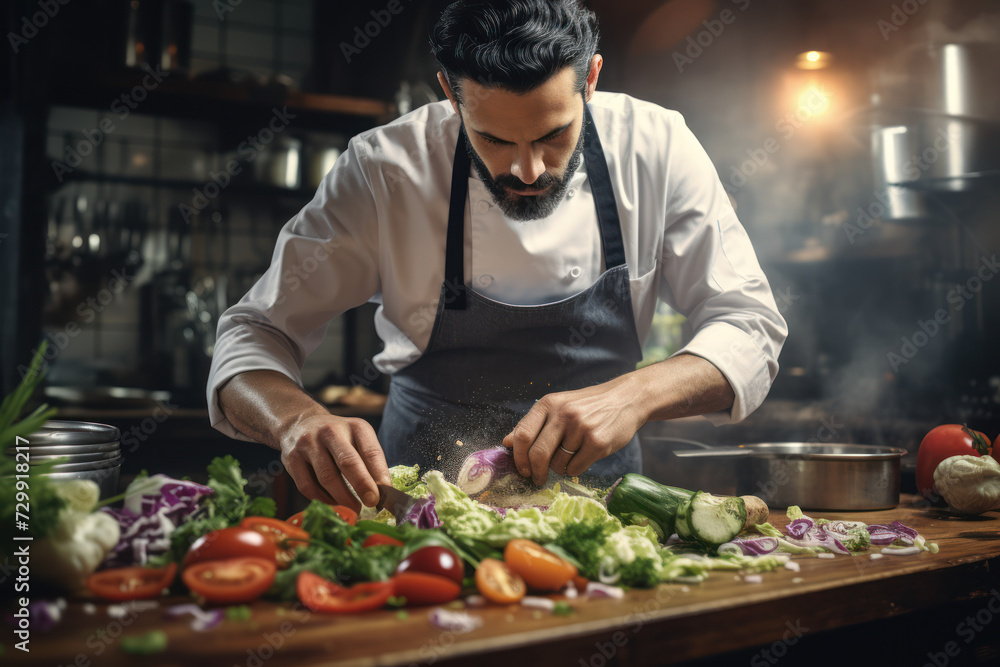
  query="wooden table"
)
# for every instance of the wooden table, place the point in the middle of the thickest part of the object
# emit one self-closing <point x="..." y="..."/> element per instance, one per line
<point x="913" y="607"/>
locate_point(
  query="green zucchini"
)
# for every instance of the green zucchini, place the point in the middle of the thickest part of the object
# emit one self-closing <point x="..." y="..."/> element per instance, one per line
<point x="640" y="500"/>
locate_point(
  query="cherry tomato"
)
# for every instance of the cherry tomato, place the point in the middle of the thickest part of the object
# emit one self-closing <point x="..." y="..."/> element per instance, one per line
<point x="233" y="542"/>
<point x="434" y="560"/>
<point x="377" y="538"/>
<point x="322" y="595"/>
<point x="346" y="513"/>
<point x="943" y="442"/>
<point x="420" y="588"/>
<point x="131" y="583"/>
<point x="231" y="580"/>
<point x="539" y="567"/>
<point x="498" y="583"/>
<point x="286" y="537"/>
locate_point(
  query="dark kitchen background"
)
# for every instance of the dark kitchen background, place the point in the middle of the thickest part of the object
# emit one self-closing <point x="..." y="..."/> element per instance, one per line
<point x="859" y="140"/>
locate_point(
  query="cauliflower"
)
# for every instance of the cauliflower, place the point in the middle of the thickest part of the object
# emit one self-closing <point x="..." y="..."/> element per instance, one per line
<point x="970" y="484"/>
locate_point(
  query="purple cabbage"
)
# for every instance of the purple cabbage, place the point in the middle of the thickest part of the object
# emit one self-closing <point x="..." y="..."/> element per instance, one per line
<point x="154" y="507"/>
<point x="422" y="514"/>
<point x="756" y="546"/>
<point x="485" y="467"/>
<point x="800" y="527"/>
<point x="882" y="535"/>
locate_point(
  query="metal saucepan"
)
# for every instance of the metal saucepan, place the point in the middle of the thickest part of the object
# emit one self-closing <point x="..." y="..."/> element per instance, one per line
<point x="74" y="451"/>
<point x="832" y="476"/>
<point x="40" y="456"/>
<point x="62" y="432"/>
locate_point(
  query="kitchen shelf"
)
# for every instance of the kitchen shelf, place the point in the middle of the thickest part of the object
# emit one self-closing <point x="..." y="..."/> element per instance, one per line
<point x="211" y="100"/>
<point x="241" y="184"/>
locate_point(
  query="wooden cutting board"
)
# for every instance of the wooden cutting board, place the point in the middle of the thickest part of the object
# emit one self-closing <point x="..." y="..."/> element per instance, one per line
<point x="671" y="623"/>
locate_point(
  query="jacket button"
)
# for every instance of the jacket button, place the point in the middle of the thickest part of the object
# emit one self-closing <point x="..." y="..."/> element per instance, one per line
<point x="575" y="272"/>
<point x="483" y="207"/>
<point x="571" y="192"/>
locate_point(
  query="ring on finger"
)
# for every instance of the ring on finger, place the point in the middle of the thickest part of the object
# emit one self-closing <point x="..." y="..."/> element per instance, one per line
<point x="566" y="450"/>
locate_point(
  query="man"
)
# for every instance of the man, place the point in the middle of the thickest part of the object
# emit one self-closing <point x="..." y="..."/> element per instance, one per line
<point x="517" y="237"/>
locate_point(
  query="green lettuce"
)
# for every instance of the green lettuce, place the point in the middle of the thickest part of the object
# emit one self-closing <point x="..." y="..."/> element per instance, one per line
<point x="461" y="515"/>
<point x="527" y="524"/>
<point x="407" y="480"/>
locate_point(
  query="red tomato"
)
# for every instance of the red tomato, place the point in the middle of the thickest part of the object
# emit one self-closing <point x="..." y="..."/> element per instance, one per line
<point x="498" y="583"/>
<point x="434" y="560"/>
<point x="233" y="542"/>
<point x="286" y="537"/>
<point x="321" y="595"/>
<point x="539" y="567"/>
<point x="377" y="538"/>
<point x="131" y="583"/>
<point x="944" y="442"/>
<point x="232" y="580"/>
<point x="420" y="588"/>
<point x="346" y="513"/>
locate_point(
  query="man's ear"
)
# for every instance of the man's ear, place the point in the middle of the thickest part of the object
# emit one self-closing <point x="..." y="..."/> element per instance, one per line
<point x="443" y="80"/>
<point x="595" y="70"/>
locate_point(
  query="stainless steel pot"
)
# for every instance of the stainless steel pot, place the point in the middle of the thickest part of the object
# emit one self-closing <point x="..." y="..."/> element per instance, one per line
<point x="41" y="455"/>
<point x="106" y="478"/>
<point x="829" y="477"/>
<point x="61" y="432"/>
<point x="91" y="465"/>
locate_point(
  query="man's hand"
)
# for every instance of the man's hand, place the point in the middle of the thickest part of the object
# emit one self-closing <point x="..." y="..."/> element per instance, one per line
<point x="316" y="447"/>
<point x="568" y="431"/>
<point x="320" y="451"/>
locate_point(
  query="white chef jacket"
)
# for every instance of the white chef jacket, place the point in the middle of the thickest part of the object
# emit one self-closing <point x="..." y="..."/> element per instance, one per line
<point x="375" y="231"/>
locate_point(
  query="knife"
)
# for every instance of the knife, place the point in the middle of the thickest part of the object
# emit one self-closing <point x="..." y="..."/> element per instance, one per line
<point x="394" y="500"/>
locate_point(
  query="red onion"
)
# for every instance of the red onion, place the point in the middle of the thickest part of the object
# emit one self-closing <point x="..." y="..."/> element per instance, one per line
<point x="485" y="467"/>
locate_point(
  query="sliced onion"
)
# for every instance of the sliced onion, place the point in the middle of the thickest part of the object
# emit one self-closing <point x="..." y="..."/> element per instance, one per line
<point x="825" y="555"/>
<point x="485" y="467"/>
<point x="756" y="546"/>
<point x="598" y="590"/>
<point x="905" y="551"/>
<point x="458" y="622"/>
<point x="876" y="556"/>
<point x="730" y="549"/>
<point x="203" y="620"/>
<point x="538" y="603"/>
<point x="570" y="592"/>
<point x="475" y="601"/>
<point x="800" y="527"/>
<point x="792" y="565"/>
<point x="753" y="579"/>
<point x="608" y="573"/>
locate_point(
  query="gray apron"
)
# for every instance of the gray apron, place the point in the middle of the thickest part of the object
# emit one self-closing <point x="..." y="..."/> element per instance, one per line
<point x="487" y="362"/>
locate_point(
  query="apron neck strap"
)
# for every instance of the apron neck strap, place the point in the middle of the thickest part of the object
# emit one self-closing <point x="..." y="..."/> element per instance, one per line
<point x="604" y="202"/>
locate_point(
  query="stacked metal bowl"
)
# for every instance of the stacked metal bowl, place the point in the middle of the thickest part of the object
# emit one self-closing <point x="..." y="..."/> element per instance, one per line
<point x="90" y="451"/>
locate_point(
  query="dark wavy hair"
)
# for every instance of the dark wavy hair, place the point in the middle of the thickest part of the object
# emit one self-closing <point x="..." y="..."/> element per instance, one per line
<point x="514" y="44"/>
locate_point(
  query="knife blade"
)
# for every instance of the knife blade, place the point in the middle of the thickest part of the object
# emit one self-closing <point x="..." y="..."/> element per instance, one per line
<point x="394" y="500"/>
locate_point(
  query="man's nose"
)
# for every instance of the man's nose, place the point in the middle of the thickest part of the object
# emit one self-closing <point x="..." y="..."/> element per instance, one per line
<point x="528" y="165"/>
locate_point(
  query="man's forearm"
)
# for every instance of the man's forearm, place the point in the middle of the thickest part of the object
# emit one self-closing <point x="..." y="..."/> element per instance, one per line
<point x="682" y="386"/>
<point x="265" y="404"/>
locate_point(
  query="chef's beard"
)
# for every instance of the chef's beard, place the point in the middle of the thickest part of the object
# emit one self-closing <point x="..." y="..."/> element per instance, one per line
<point x="527" y="207"/>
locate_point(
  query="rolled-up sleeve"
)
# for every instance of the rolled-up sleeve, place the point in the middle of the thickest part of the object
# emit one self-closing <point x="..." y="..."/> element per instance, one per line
<point x="325" y="262"/>
<point x="711" y="275"/>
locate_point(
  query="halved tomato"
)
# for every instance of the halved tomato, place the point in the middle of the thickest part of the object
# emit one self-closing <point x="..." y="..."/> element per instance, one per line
<point x="498" y="583"/>
<point x="377" y="538"/>
<point x="346" y="513"/>
<point x="231" y="580"/>
<point x="421" y="588"/>
<point x="235" y="542"/>
<point x="539" y="567"/>
<point x="286" y="537"/>
<point x="325" y="596"/>
<point x="131" y="583"/>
